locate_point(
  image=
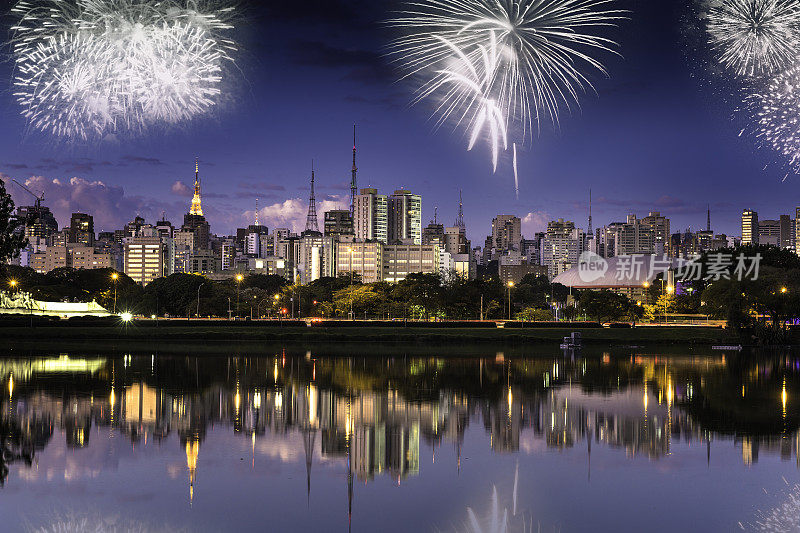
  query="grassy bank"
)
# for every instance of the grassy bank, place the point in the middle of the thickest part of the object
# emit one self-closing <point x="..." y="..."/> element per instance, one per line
<point x="374" y="335"/>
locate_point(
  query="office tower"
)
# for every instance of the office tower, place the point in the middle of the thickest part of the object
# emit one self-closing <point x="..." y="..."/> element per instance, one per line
<point x="364" y="259"/>
<point x="797" y="230"/>
<point x="252" y="240"/>
<point x="370" y="217"/>
<point x="164" y="228"/>
<point x="404" y="217"/>
<point x="144" y="259"/>
<point x="310" y="262"/>
<point x="749" y="227"/>
<point x="81" y="229"/>
<point x="400" y="260"/>
<point x="769" y="232"/>
<point x="433" y="233"/>
<point x="506" y="233"/>
<point x="786" y="232"/>
<point x="338" y="222"/>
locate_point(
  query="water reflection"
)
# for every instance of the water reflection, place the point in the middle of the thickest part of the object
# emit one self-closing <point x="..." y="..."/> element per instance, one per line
<point x="373" y="414"/>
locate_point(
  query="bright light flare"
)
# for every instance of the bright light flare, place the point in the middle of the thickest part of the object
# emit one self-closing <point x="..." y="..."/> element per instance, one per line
<point x="126" y="316"/>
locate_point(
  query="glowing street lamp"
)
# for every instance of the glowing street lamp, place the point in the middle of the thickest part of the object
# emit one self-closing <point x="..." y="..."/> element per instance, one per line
<point x="784" y="290"/>
<point x="239" y="279"/>
<point x="510" y="285"/>
<point x="13" y="284"/>
<point x="114" y="278"/>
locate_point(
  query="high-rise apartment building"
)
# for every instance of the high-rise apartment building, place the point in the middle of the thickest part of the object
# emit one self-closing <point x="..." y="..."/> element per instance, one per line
<point x="561" y="246"/>
<point x="749" y="227"/>
<point x="370" y="219"/>
<point x="506" y="233"/>
<point x="404" y="217"/>
<point x="659" y="226"/>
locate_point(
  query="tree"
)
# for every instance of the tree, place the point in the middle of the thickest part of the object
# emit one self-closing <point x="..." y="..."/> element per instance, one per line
<point x="606" y="305"/>
<point x="11" y="241"/>
<point x="532" y="314"/>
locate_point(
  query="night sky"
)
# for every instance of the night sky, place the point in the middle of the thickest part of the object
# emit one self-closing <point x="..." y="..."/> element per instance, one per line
<point x="660" y="134"/>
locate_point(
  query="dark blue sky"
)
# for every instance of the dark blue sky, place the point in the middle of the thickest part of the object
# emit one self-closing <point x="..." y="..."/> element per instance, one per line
<point x="659" y="135"/>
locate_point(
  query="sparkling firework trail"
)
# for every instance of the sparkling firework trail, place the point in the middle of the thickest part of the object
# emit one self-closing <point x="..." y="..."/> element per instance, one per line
<point x="516" y="177"/>
<point x="755" y="37"/>
<point x="542" y="45"/>
<point x="96" y="69"/>
<point x="776" y="114"/>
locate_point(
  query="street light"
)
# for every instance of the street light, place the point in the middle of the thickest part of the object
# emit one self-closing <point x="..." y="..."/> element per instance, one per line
<point x="784" y="290"/>
<point x="198" y="298"/>
<point x="239" y="279"/>
<point x="510" y="285"/>
<point x="670" y="290"/>
<point x="114" y="277"/>
<point x="13" y="283"/>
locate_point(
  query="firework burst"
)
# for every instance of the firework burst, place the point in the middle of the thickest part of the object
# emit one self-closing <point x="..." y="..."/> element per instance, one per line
<point x="542" y="49"/>
<point x="776" y="113"/>
<point x="93" y="69"/>
<point x="755" y="37"/>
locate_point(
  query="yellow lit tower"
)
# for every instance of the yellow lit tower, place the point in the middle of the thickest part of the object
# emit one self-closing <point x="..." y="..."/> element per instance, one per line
<point x="197" y="208"/>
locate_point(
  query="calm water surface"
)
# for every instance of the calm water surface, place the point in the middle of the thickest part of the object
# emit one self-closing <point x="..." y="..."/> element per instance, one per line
<point x="304" y="440"/>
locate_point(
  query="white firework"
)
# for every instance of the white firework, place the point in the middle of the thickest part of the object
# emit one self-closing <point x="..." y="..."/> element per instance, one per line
<point x="90" y="69"/>
<point x="776" y="115"/>
<point x="543" y="47"/>
<point x="755" y="37"/>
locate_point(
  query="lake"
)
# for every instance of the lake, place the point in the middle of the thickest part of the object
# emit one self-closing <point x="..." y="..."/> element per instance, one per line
<point x="377" y="439"/>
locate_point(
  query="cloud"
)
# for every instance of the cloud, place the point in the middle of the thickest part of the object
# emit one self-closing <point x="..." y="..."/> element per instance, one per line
<point x="292" y="213"/>
<point x="16" y="166"/>
<point x="179" y="188"/>
<point x="534" y="222"/>
<point x="139" y="159"/>
<point x="108" y="204"/>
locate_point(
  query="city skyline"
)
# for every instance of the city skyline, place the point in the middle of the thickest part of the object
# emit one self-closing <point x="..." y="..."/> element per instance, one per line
<point x="655" y="138"/>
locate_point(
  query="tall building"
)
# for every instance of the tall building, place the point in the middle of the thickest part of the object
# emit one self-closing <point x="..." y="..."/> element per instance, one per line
<point x="787" y="229"/>
<point x="749" y="227"/>
<point x="659" y="226"/>
<point x="362" y="258"/>
<point x="38" y="221"/>
<point x="81" y="229"/>
<point x="561" y="246"/>
<point x="338" y="222"/>
<point x="433" y="233"/>
<point x="635" y="237"/>
<point x="353" y="181"/>
<point x="797" y="230"/>
<point x="506" y="233"/>
<point x="370" y="218"/>
<point x="404" y="217"/>
<point x="769" y="232"/>
<point x="400" y="260"/>
<point x="144" y="259"/>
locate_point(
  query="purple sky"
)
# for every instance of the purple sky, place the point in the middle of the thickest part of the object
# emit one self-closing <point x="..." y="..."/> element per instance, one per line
<point x="661" y="134"/>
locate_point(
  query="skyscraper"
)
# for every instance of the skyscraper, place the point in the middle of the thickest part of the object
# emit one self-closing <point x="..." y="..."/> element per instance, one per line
<point x="194" y="220"/>
<point x="749" y="227"/>
<point x="404" y="217"/>
<point x="338" y="222"/>
<point x="506" y="233"/>
<point x="370" y="218"/>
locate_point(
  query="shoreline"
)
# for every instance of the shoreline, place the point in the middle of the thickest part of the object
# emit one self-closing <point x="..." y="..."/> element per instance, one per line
<point x="598" y="337"/>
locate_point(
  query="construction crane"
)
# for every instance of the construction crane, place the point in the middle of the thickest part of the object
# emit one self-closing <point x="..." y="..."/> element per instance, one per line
<point x="39" y="197"/>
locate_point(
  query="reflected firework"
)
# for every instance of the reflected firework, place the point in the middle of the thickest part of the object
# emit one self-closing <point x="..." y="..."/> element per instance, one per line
<point x="754" y="37"/>
<point x="93" y="69"/>
<point x="543" y="49"/>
